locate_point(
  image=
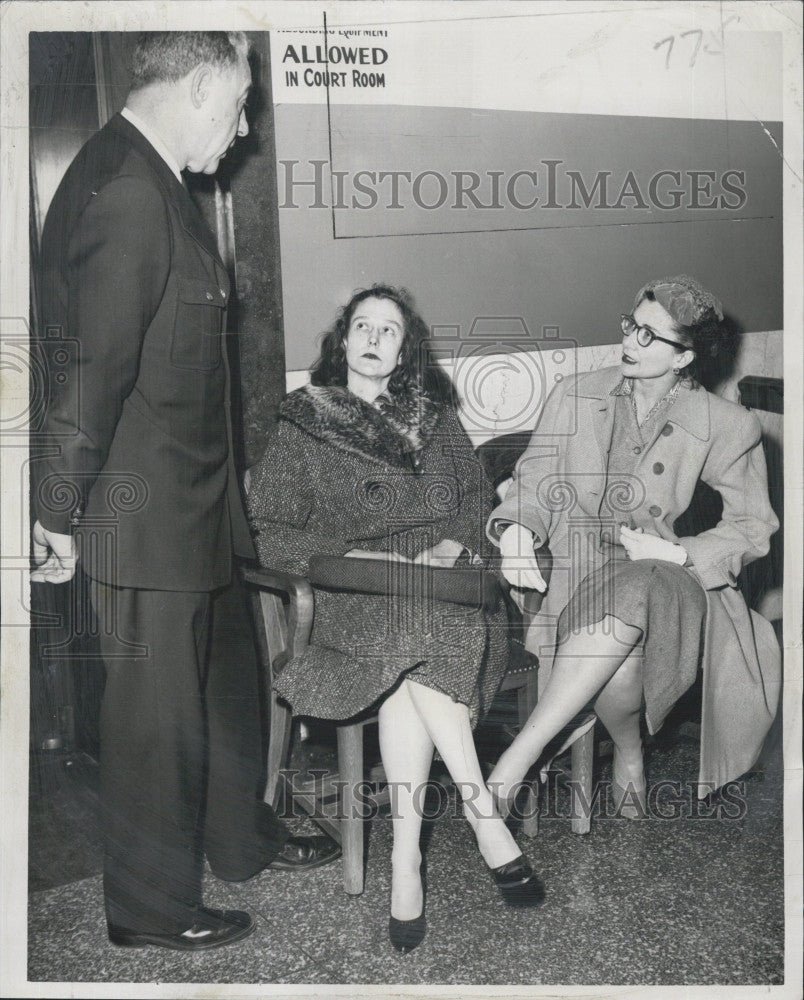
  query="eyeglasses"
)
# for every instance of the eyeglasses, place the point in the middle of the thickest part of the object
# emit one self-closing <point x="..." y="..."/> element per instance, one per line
<point x="644" y="335"/>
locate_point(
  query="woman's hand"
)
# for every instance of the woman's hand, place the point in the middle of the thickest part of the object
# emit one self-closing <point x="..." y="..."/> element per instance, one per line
<point x="519" y="564"/>
<point x="640" y="545"/>
<point x="444" y="554"/>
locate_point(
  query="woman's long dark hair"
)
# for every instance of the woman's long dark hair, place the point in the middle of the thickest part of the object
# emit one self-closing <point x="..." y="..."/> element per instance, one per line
<point x="415" y="370"/>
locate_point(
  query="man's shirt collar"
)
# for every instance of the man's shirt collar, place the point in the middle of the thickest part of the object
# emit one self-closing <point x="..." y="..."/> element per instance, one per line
<point x="154" y="140"/>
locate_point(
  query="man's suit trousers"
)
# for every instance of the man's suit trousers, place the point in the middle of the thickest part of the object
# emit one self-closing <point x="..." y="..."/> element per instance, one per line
<point x="154" y="759"/>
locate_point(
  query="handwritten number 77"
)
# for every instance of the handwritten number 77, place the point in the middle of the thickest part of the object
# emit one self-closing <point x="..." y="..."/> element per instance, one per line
<point x="698" y="32"/>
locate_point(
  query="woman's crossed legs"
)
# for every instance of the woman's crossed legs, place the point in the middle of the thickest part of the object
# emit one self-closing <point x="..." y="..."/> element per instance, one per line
<point x="604" y="663"/>
<point x="413" y="720"/>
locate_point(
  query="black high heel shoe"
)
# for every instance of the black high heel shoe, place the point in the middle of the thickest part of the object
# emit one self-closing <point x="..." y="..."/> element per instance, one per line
<point x="405" y="935"/>
<point x="518" y="884"/>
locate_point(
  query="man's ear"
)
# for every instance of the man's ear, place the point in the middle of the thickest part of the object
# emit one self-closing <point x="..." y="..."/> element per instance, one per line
<point x="200" y="79"/>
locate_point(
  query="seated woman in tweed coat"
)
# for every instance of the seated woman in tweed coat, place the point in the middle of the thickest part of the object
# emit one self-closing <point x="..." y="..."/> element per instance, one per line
<point x="370" y="460"/>
<point x="633" y="606"/>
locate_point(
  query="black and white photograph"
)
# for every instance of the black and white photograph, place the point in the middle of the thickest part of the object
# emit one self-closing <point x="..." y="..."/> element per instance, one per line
<point x="401" y="503"/>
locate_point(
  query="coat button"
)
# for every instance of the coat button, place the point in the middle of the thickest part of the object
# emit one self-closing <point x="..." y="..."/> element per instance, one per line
<point x="209" y="296"/>
<point x="637" y="450"/>
<point x="658" y="468"/>
<point x="654" y="511"/>
<point x="667" y="430"/>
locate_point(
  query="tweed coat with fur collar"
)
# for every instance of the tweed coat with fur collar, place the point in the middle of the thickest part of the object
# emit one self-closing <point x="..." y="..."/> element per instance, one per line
<point x="400" y="475"/>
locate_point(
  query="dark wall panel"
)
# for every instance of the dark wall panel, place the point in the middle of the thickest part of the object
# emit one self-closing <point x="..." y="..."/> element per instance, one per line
<point x="575" y="268"/>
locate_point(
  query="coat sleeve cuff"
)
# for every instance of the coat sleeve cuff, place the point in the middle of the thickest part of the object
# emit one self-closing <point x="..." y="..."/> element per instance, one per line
<point x="499" y="522"/>
<point x="60" y="524"/>
<point x="711" y="575"/>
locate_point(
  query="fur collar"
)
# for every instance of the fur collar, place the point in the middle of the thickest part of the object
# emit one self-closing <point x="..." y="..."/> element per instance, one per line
<point x="392" y="432"/>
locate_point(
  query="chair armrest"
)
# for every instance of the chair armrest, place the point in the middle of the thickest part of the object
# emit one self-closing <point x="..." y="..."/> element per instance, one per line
<point x="274" y="579"/>
<point x="302" y="605"/>
<point x="472" y="586"/>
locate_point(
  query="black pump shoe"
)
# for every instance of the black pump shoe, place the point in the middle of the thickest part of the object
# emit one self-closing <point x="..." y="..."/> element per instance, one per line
<point x="405" y="935"/>
<point x="518" y="884"/>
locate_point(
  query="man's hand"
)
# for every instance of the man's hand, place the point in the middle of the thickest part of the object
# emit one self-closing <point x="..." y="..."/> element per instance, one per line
<point x="519" y="564"/>
<point x="640" y="545"/>
<point x="59" y="565"/>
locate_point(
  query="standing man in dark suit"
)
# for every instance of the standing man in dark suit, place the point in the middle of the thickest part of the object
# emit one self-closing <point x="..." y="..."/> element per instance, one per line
<point x="139" y="473"/>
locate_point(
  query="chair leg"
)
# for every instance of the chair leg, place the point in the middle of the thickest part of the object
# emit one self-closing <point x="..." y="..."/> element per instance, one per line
<point x="278" y="745"/>
<point x="530" y="822"/>
<point x="350" y="766"/>
<point x="583" y="751"/>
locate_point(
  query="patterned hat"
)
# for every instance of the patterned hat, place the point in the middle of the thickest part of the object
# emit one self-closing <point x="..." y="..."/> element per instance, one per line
<point x="683" y="297"/>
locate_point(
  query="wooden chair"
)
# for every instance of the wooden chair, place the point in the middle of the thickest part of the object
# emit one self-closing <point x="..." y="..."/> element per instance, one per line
<point x="284" y="608"/>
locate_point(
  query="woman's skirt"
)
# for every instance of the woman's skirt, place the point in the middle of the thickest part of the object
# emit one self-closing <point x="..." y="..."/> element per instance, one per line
<point x="363" y="646"/>
<point x="666" y="603"/>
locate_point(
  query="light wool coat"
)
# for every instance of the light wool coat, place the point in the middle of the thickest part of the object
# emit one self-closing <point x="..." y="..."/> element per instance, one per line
<point x="562" y="493"/>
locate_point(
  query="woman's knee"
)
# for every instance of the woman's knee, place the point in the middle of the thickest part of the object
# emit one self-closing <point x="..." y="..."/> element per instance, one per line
<point x="425" y="696"/>
<point x="625" y="686"/>
<point x="609" y="637"/>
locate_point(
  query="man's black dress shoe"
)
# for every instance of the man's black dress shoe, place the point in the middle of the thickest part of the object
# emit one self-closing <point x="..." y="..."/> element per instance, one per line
<point x="211" y="929"/>
<point x="301" y="853"/>
<point x="518" y="884"/>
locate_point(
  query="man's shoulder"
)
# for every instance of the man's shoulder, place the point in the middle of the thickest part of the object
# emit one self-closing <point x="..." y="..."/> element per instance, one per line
<point x="107" y="158"/>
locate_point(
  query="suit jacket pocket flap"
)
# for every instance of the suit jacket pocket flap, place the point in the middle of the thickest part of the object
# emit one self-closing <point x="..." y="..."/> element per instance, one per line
<point x="201" y="292"/>
<point x="198" y="324"/>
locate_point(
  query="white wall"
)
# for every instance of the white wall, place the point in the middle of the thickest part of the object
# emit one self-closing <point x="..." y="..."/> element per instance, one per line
<point x="503" y="393"/>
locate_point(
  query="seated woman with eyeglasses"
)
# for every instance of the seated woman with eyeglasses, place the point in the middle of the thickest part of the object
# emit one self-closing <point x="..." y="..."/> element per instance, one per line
<point x="632" y="609"/>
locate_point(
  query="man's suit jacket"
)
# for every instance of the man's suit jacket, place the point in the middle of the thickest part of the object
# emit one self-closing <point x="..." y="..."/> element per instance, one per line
<point x="137" y="423"/>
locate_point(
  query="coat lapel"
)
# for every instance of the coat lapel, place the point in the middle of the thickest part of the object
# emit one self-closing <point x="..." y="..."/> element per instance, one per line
<point x="603" y="422"/>
<point x="195" y="225"/>
<point x="690" y="412"/>
<point x="594" y="395"/>
<point x="191" y="219"/>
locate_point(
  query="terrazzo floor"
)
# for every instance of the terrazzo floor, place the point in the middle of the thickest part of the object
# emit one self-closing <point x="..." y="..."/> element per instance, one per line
<point x="694" y="897"/>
